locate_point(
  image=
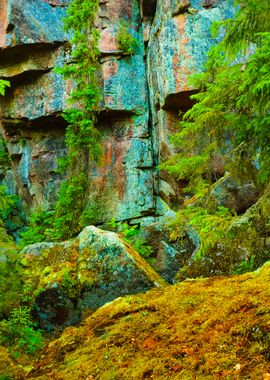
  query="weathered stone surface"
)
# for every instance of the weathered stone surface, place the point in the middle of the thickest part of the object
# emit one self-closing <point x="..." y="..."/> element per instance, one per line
<point x="125" y="86"/>
<point x="43" y="96"/>
<point x="235" y="196"/>
<point x="34" y="156"/>
<point x="30" y="22"/>
<point x="135" y="138"/>
<point x="123" y="184"/>
<point x="170" y="255"/>
<point x="179" y="40"/>
<point x="85" y="273"/>
<point x="179" y="44"/>
<point x="38" y="60"/>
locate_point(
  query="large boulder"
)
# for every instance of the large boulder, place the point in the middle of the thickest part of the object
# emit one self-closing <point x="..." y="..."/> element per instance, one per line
<point x="169" y="254"/>
<point x="235" y="195"/>
<point x="243" y="246"/>
<point x="85" y="273"/>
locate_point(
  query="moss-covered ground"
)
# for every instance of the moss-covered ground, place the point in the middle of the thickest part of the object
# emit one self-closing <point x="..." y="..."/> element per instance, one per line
<point x="215" y="328"/>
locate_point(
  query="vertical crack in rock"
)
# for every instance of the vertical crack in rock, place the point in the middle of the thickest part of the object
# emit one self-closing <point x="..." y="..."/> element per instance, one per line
<point x="142" y="95"/>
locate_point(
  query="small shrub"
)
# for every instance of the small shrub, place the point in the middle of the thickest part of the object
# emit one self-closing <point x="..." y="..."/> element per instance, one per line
<point x="10" y="284"/>
<point x="245" y="266"/>
<point x="126" y="42"/>
<point x="3" y="85"/>
<point x="131" y="235"/>
<point x="40" y="222"/>
<point x="18" y="333"/>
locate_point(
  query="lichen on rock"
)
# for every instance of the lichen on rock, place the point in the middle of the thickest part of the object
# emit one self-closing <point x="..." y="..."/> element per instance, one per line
<point x="85" y="273"/>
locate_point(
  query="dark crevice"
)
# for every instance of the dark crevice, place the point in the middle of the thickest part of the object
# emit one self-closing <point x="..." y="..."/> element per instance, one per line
<point x="24" y="49"/>
<point x="149" y="8"/>
<point x="114" y="115"/>
<point x="180" y="101"/>
<point x="209" y="3"/>
<point x="41" y="124"/>
<point x="25" y="77"/>
<point x="10" y="28"/>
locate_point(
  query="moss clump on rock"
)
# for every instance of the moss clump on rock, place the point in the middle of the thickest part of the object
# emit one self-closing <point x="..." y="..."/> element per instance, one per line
<point x="231" y="245"/>
<point x="67" y="278"/>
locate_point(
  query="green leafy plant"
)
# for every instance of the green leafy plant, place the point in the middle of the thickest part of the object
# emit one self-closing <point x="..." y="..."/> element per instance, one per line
<point x="245" y="266"/>
<point x="3" y="85"/>
<point x="82" y="137"/>
<point x="231" y="116"/>
<point x="126" y="42"/>
<point x="4" y="156"/>
<point x="40" y="222"/>
<point x="19" y="334"/>
<point x="131" y="234"/>
<point x="6" y="202"/>
<point x="83" y="140"/>
<point x="210" y="225"/>
<point x="10" y="284"/>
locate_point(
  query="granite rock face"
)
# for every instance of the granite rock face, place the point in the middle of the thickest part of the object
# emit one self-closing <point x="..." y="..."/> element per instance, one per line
<point x="180" y="37"/>
<point x="84" y="273"/>
<point x="142" y="95"/>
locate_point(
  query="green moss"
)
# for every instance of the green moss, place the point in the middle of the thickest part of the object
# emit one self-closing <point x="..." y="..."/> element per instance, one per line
<point x="228" y="244"/>
<point x="127" y="43"/>
<point x="211" y="328"/>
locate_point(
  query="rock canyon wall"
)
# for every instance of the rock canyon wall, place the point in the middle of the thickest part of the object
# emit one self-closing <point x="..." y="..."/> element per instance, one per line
<point x="142" y="97"/>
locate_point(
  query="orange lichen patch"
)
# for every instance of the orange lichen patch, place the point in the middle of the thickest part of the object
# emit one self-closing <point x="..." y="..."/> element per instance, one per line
<point x="107" y="43"/>
<point x="119" y="173"/>
<point x="3" y="22"/>
<point x="112" y="162"/>
<point x="216" y="328"/>
<point x="182" y="58"/>
<point x="109" y="69"/>
<point x="107" y="156"/>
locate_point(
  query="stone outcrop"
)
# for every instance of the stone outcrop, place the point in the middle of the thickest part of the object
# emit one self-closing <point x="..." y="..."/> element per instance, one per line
<point x="85" y="273"/>
<point x="165" y="334"/>
<point x="180" y="37"/>
<point x="142" y="96"/>
<point x="170" y="255"/>
<point x="237" y="196"/>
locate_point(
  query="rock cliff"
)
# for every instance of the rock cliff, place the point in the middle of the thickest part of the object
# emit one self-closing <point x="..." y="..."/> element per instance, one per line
<point x="142" y="96"/>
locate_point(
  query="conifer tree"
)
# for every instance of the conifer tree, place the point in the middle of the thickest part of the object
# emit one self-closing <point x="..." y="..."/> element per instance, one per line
<point x="232" y="111"/>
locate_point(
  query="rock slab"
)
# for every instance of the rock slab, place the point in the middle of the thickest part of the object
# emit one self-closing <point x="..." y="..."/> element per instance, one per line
<point x="85" y="273"/>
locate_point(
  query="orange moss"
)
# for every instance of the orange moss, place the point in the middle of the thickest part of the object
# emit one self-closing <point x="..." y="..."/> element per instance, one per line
<point x="216" y="328"/>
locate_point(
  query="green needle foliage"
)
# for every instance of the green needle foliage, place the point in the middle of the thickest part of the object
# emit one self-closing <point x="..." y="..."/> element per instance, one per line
<point x="83" y="140"/>
<point x="82" y="137"/>
<point x="232" y="112"/>
<point x="83" y="70"/>
<point x="3" y="85"/>
<point x="19" y="334"/>
<point x="229" y="123"/>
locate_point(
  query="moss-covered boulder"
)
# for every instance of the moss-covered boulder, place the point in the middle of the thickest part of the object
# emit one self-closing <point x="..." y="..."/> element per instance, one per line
<point x="85" y="273"/>
<point x="215" y="328"/>
<point x="235" y="195"/>
<point x="169" y="254"/>
<point x="242" y="244"/>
